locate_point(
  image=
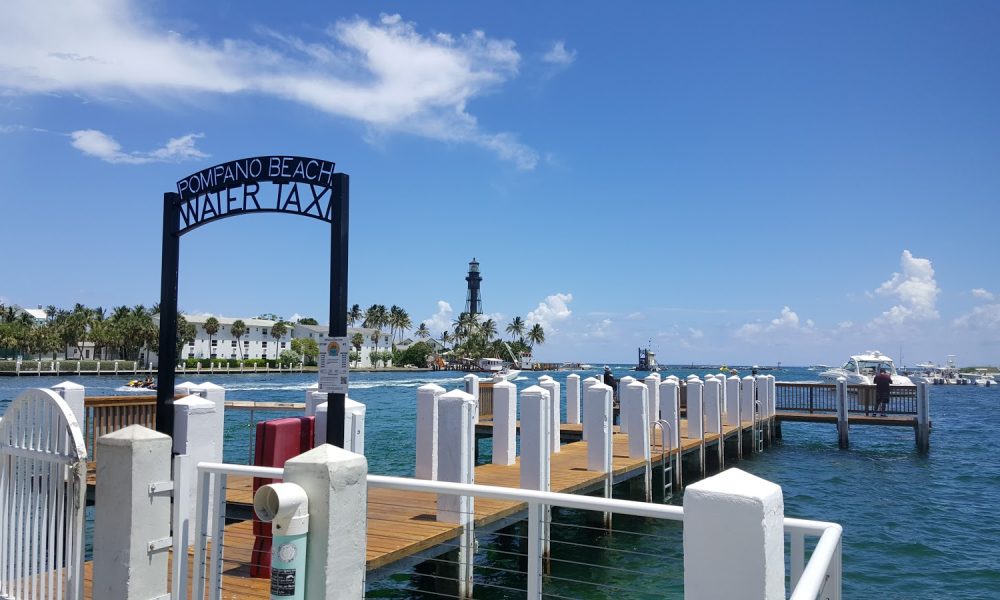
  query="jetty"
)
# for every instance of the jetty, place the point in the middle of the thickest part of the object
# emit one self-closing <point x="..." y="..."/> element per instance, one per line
<point x="572" y="454"/>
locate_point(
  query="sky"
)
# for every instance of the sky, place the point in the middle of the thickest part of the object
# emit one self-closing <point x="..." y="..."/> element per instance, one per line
<point x="724" y="182"/>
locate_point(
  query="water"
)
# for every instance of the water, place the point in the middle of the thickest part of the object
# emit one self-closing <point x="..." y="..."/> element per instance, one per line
<point x="914" y="526"/>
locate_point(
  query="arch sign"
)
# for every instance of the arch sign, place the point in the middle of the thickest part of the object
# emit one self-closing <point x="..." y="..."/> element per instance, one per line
<point x="296" y="185"/>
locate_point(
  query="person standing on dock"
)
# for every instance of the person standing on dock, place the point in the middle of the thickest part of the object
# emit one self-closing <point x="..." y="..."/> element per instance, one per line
<point x="882" y="383"/>
<point x="609" y="380"/>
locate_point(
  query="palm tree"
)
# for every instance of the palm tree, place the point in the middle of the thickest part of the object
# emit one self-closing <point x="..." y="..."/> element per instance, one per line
<point x="445" y="338"/>
<point x="399" y="320"/>
<point x="354" y="315"/>
<point x="422" y="332"/>
<point x="211" y="328"/>
<point x="516" y="328"/>
<point x="358" y="340"/>
<point x="374" y="355"/>
<point x="536" y="335"/>
<point x="278" y="330"/>
<point x="488" y="329"/>
<point x="239" y="329"/>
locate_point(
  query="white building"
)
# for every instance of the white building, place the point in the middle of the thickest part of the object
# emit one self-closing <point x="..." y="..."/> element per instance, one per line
<point x="258" y="341"/>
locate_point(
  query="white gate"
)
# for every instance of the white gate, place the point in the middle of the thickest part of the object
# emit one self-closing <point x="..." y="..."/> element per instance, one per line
<point x="43" y="470"/>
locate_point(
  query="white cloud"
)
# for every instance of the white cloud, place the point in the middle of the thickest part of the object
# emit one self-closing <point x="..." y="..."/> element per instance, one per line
<point x="553" y="309"/>
<point x="636" y="316"/>
<point x="983" y="294"/>
<point x="558" y="55"/>
<point x="441" y="320"/>
<point x="787" y="322"/>
<point x="916" y="289"/>
<point x="696" y="334"/>
<point x="383" y="73"/>
<point x="101" y="145"/>
<point x="295" y="318"/>
<point x="985" y="318"/>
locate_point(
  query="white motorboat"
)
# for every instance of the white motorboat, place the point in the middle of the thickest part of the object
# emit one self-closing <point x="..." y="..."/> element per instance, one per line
<point x="862" y="368"/>
<point x="498" y="369"/>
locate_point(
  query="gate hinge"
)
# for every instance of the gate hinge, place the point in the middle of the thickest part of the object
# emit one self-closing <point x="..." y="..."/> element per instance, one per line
<point x="158" y="545"/>
<point x="159" y="487"/>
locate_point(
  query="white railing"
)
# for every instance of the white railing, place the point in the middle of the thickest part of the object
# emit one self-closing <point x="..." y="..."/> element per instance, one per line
<point x="819" y="577"/>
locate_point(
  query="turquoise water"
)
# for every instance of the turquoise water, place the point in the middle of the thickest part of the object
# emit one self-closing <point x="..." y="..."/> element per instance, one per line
<point x="914" y="526"/>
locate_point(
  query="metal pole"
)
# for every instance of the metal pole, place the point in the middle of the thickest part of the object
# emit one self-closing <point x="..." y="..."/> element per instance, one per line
<point x="168" y="315"/>
<point x="340" y="209"/>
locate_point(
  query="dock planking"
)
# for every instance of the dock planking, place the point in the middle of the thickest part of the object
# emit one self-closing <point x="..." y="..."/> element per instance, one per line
<point x="403" y="524"/>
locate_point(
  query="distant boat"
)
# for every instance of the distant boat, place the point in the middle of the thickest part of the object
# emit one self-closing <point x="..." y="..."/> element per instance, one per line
<point x="862" y="368"/>
<point x="647" y="361"/>
<point x="498" y="369"/>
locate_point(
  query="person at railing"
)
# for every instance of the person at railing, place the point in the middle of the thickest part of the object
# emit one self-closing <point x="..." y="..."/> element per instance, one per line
<point x="610" y="380"/>
<point x="882" y="383"/>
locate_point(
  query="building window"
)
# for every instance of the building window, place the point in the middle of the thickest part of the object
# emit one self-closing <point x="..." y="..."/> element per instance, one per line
<point x="215" y="343"/>
<point x="190" y="354"/>
<point x="233" y="343"/>
<point x="263" y="332"/>
<point x="282" y="344"/>
<point x="263" y="344"/>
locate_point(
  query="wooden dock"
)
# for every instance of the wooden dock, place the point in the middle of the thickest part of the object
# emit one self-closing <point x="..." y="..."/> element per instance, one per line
<point x="402" y="526"/>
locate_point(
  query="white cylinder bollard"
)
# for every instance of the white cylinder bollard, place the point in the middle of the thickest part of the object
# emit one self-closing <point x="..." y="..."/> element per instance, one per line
<point x="456" y="452"/>
<point x="749" y="512"/>
<point x="670" y="409"/>
<point x="504" y="423"/>
<point x="597" y="426"/>
<point x="553" y="388"/>
<point x="623" y="420"/>
<point x="695" y="410"/>
<point x="427" y="435"/>
<point x="652" y="382"/>
<point x="535" y="432"/>
<point x="573" y="398"/>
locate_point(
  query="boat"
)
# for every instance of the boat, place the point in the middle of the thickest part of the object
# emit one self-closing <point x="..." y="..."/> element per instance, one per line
<point x="862" y="368"/>
<point x="498" y="369"/>
<point x="647" y="361"/>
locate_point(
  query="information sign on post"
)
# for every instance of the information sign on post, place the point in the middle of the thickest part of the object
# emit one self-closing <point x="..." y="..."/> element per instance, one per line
<point x="333" y="365"/>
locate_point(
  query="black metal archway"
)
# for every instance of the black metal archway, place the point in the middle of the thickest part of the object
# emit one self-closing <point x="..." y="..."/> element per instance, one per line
<point x="302" y="186"/>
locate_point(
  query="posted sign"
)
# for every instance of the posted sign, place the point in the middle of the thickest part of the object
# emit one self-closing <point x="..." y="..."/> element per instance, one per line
<point x="333" y="365"/>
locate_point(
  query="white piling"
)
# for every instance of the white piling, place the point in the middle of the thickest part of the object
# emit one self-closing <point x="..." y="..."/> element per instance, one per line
<point x="597" y="427"/>
<point x="623" y="420"/>
<point x="216" y="394"/>
<point x="733" y="414"/>
<point x="471" y="383"/>
<point x="335" y="481"/>
<point x="587" y="384"/>
<point x="652" y="382"/>
<point x="128" y="518"/>
<point x="196" y="435"/>
<point x="73" y="394"/>
<point x="553" y="388"/>
<point x="456" y="452"/>
<point x="696" y="417"/>
<point x="712" y="397"/>
<point x="573" y="398"/>
<point x="747" y="512"/>
<point x="634" y="397"/>
<point x="535" y="439"/>
<point x="746" y="399"/>
<point x="312" y="401"/>
<point x="504" y="423"/>
<point x="354" y="425"/>
<point x="427" y="435"/>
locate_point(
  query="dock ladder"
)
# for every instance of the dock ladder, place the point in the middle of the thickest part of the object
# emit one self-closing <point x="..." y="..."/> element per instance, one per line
<point x="758" y="428"/>
<point x="666" y="460"/>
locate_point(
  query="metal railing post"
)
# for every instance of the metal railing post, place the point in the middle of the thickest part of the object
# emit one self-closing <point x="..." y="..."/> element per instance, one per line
<point x="534" y="551"/>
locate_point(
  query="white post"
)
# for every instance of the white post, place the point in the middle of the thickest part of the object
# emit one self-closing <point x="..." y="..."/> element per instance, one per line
<point x="504" y="423"/>
<point x="652" y="382"/>
<point x="354" y="425"/>
<point x="427" y="434"/>
<point x="597" y="426"/>
<point x="623" y="418"/>
<point x="553" y="388"/>
<point x="131" y="519"/>
<point x="712" y="396"/>
<point x="733" y="401"/>
<point x="842" y="423"/>
<point x="748" y="512"/>
<point x="472" y="387"/>
<point x="587" y="384"/>
<point x="217" y="395"/>
<point x="535" y="452"/>
<point x="195" y="434"/>
<point x="456" y="452"/>
<point x="670" y="410"/>
<point x="74" y="394"/>
<point x="335" y="481"/>
<point x="634" y="397"/>
<point x="696" y="417"/>
<point x="573" y="398"/>
<point x="313" y="401"/>
<point x="723" y="395"/>
<point x="746" y="399"/>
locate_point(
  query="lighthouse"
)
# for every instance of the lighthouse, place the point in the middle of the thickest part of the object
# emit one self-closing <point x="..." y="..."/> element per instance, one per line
<point x="473" y="302"/>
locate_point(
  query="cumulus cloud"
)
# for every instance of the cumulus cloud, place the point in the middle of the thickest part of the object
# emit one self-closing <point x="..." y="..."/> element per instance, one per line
<point x="558" y="55"/>
<point x="441" y="320"/>
<point x="985" y="318"/>
<point x="383" y="73"/>
<point x="786" y="322"/>
<point x="983" y="294"/>
<point x="916" y="290"/>
<point x="101" y="145"/>
<point x="552" y="310"/>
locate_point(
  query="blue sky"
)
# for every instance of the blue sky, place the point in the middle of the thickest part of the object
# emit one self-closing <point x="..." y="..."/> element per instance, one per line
<point x="732" y="182"/>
